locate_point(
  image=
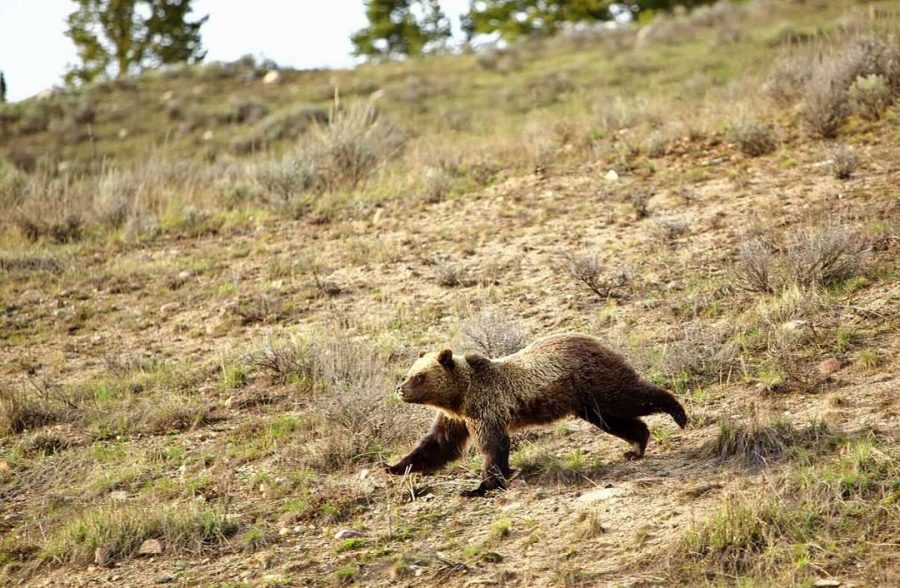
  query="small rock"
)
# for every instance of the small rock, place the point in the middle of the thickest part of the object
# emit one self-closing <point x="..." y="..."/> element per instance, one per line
<point x="599" y="494"/>
<point x="829" y="366"/>
<point x="272" y="77"/>
<point x="518" y="483"/>
<point x="119" y="495"/>
<point x="612" y="175"/>
<point x="123" y="133"/>
<point x="363" y="474"/>
<point x="347" y="533"/>
<point x="827" y="582"/>
<point x="169" y="307"/>
<point x="103" y="557"/>
<point x="184" y="274"/>
<point x="165" y="579"/>
<point x="208" y="136"/>
<point x="150" y="547"/>
<point x="284" y="531"/>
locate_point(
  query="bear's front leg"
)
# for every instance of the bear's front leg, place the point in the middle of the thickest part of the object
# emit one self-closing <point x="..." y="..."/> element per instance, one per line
<point x="493" y="441"/>
<point x="444" y="443"/>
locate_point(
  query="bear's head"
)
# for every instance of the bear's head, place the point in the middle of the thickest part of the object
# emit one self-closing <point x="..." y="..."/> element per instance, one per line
<point x="435" y="379"/>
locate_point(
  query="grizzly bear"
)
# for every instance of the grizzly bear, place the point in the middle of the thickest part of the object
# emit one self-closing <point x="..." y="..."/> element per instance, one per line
<point x="554" y="377"/>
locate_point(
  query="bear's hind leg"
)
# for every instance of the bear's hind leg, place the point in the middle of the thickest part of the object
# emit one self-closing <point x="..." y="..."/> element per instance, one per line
<point x="632" y="430"/>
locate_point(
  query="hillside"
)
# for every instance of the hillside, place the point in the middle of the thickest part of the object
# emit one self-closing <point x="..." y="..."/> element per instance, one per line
<point x="212" y="278"/>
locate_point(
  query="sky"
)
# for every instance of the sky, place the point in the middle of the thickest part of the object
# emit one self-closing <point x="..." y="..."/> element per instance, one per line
<point x="34" y="50"/>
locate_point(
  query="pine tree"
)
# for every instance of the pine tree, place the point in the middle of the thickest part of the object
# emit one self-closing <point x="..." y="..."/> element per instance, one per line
<point x="401" y="28"/>
<point x="2" y="88"/>
<point x="515" y="18"/>
<point x="132" y="34"/>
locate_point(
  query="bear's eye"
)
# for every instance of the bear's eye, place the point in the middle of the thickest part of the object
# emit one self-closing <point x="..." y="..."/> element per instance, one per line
<point x="418" y="378"/>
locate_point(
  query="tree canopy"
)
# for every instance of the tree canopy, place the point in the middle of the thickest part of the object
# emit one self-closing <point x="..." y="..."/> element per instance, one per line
<point x="401" y="28"/>
<point x="131" y="35"/>
<point x="515" y="18"/>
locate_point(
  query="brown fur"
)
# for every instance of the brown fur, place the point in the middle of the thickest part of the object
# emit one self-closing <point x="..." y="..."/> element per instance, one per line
<point x="554" y="377"/>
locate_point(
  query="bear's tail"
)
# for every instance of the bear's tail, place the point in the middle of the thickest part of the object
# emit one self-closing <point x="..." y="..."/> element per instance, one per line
<point x="666" y="402"/>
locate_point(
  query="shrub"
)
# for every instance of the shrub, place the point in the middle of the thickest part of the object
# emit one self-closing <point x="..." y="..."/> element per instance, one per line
<point x="493" y="333"/>
<point x="824" y="256"/>
<point x="756" y="268"/>
<point x="451" y="275"/>
<point x="669" y="229"/>
<point x="827" y="102"/>
<point x="61" y="230"/>
<point x="286" y="183"/>
<point x="358" y="417"/>
<point x="355" y="142"/>
<point x="115" y="198"/>
<point x="754" y="138"/>
<point x="701" y="355"/>
<point x="788" y="77"/>
<point x="843" y="162"/>
<point x="284" y="358"/>
<point x="817" y="256"/>
<point x="589" y="271"/>
<point x="639" y="199"/>
<point x="438" y="183"/>
<point x="870" y="96"/>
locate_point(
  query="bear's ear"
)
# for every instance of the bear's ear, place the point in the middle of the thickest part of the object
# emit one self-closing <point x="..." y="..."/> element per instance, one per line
<point x="476" y="360"/>
<point x="445" y="358"/>
<point x="421" y="354"/>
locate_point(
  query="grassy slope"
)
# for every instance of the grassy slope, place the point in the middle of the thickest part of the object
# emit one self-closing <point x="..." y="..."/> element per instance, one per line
<point x="147" y="410"/>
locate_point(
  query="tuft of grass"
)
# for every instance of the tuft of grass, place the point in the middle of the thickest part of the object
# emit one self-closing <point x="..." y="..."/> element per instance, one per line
<point x="23" y="409"/>
<point x="589" y="525"/>
<point x="350" y="544"/>
<point x="868" y="359"/>
<point x="493" y="333"/>
<point x="501" y="528"/>
<point x="347" y="573"/>
<point x="547" y="468"/>
<point x="757" y="443"/>
<point x="121" y="528"/>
